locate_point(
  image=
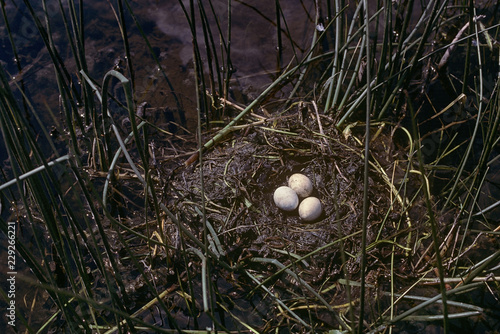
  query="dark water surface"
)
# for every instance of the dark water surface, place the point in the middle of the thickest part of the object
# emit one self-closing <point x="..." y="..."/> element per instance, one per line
<point x="255" y="57"/>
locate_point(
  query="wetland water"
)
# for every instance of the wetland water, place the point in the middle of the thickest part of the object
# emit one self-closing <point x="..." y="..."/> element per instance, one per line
<point x="256" y="58"/>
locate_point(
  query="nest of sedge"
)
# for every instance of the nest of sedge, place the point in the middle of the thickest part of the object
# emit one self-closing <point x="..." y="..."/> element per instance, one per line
<point x="233" y="184"/>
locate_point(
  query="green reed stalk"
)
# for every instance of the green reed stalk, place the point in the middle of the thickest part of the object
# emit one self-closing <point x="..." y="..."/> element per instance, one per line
<point x="126" y="45"/>
<point x="366" y="200"/>
<point x="329" y="103"/>
<point x="40" y="196"/>
<point x="431" y="215"/>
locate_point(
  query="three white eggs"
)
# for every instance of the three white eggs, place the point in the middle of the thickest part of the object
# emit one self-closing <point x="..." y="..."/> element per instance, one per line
<point x="287" y="198"/>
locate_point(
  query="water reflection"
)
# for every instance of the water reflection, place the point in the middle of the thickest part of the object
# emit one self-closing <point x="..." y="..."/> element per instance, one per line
<point x="254" y="37"/>
<point x="254" y="46"/>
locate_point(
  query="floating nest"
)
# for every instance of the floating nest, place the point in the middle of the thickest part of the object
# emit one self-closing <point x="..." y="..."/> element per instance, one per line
<point x="216" y="231"/>
<point x="268" y="254"/>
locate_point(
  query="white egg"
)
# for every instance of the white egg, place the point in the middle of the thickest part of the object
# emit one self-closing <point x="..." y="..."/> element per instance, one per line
<point x="301" y="184"/>
<point x="310" y="209"/>
<point x="286" y="198"/>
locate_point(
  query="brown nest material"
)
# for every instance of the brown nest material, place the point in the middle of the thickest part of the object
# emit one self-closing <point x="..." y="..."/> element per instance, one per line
<point x="239" y="178"/>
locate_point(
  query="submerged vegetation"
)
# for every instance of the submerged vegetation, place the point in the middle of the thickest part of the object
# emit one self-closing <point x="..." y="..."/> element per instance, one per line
<point x="132" y="213"/>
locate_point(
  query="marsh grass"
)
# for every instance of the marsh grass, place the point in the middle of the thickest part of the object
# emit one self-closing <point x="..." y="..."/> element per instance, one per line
<point x="119" y="236"/>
